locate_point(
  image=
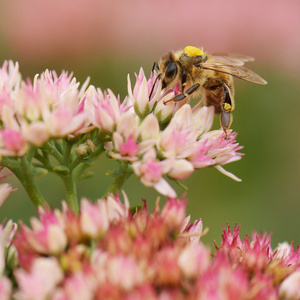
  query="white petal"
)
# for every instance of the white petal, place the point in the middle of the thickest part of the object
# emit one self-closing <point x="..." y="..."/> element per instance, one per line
<point x="222" y="170"/>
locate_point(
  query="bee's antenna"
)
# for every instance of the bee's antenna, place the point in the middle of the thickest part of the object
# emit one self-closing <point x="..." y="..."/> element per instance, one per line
<point x="155" y="65"/>
<point x="158" y="76"/>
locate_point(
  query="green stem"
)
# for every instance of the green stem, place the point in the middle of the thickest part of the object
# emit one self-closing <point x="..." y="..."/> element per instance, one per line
<point x="78" y="165"/>
<point x="71" y="194"/>
<point x="54" y="152"/>
<point x="27" y="179"/>
<point x="120" y="177"/>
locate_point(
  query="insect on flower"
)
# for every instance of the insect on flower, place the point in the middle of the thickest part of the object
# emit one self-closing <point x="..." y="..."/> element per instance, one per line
<point x="209" y="73"/>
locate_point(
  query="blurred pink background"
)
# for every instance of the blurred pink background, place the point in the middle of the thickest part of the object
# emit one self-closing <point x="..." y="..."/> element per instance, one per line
<point x="35" y="30"/>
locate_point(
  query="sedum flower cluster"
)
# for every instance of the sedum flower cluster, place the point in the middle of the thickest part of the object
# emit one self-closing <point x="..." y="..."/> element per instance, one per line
<point x="52" y="117"/>
<point x="108" y="251"/>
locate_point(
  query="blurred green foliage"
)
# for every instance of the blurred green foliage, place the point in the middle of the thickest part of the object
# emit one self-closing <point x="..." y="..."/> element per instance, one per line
<point x="266" y="119"/>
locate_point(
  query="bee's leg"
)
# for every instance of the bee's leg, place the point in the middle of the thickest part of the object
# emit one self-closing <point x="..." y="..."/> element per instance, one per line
<point x="187" y="93"/>
<point x="227" y="107"/>
<point x="155" y="65"/>
<point x="183" y="80"/>
<point x="220" y="95"/>
<point x="158" y="76"/>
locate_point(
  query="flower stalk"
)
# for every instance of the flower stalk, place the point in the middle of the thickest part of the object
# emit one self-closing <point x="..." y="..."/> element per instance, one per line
<point x="26" y="177"/>
<point x="120" y="176"/>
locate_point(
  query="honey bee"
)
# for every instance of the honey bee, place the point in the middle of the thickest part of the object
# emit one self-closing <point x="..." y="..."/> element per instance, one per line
<point x="209" y="73"/>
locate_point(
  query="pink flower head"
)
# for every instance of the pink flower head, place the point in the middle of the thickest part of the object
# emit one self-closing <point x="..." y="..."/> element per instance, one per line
<point x="151" y="171"/>
<point x="79" y="286"/>
<point x="174" y="211"/>
<point x="7" y="233"/>
<point x="42" y="279"/>
<point x="47" y="235"/>
<point x="5" y="190"/>
<point x="5" y="288"/>
<point x="222" y="150"/>
<point x="10" y="77"/>
<point x="193" y="231"/>
<point x="177" y="140"/>
<point x="167" y="270"/>
<point x="289" y="288"/>
<point x="103" y="110"/>
<point x="30" y="102"/>
<point x="12" y="143"/>
<point x="129" y="148"/>
<point x="54" y="86"/>
<point x="5" y="100"/>
<point x="194" y="260"/>
<point x="93" y="218"/>
<point x="223" y="281"/>
<point x="141" y="92"/>
<point x="159" y="102"/>
<point x="125" y="138"/>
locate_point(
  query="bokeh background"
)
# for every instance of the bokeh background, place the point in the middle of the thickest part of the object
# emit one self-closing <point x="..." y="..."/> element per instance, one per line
<point x="109" y="39"/>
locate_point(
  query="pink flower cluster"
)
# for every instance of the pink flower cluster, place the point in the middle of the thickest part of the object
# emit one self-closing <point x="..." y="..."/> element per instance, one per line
<point x="111" y="252"/>
<point x="159" y="138"/>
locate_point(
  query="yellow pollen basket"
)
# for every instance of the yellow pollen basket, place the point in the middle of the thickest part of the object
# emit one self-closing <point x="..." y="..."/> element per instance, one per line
<point x="227" y="107"/>
<point x="193" y="51"/>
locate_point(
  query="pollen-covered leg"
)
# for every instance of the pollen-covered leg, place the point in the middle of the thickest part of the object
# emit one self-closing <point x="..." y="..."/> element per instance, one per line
<point x="220" y="95"/>
<point x="227" y="107"/>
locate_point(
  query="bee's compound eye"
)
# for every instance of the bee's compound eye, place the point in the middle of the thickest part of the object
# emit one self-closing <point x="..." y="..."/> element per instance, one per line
<point x="171" y="71"/>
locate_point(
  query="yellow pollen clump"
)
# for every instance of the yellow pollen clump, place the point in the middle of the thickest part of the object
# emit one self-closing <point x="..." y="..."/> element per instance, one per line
<point x="193" y="51"/>
<point x="227" y="107"/>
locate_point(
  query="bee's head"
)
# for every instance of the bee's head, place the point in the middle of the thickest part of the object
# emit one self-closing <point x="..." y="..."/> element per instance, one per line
<point x="169" y="73"/>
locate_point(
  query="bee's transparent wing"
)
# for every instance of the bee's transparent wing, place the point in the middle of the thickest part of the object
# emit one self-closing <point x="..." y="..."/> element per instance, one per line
<point x="229" y="58"/>
<point x="235" y="70"/>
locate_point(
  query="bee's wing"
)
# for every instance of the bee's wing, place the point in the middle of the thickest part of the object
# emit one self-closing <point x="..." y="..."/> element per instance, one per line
<point x="234" y="70"/>
<point x="230" y="58"/>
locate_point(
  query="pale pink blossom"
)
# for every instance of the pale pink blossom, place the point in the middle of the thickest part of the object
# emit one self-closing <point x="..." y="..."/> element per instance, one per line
<point x="7" y="233"/>
<point x="174" y="212"/>
<point x="194" y="259"/>
<point x="149" y="128"/>
<point x="93" y="218"/>
<point x="125" y="138"/>
<point x="5" y="190"/>
<point x="53" y="86"/>
<point x="222" y="150"/>
<point x="5" y="288"/>
<point x="79" y="286"/>
<point x="151" y="172"/>
<point x="35" y="133"/>
<point x="193" y="231"/>
<point x="103" y="110"/>
<point x="10" y="77"/>
<point x="289" y="288"/>
<point x="116" y="210"/>
<point x="125" y="280"/>
<point x="180" y="169"/>
<point x="65" y="118"/>
<point x="12" y="143"/>
<point x="47" y="235"/>
<point x="30" y="102"/>
<point x="160" y="103"/>
<point x="141" y="92"/>
<point x="203" y="117"/>
<point x="179" y="136"/>
<point x="41" y="280"/>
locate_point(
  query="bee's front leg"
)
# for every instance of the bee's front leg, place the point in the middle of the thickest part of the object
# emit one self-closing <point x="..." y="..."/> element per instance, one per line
<point x="185" y="94"/>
